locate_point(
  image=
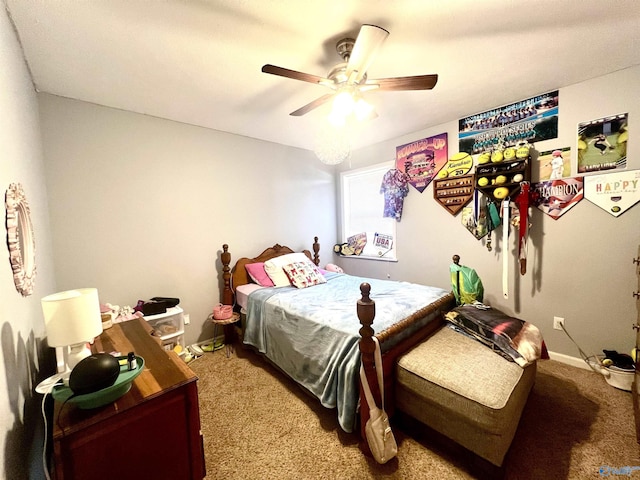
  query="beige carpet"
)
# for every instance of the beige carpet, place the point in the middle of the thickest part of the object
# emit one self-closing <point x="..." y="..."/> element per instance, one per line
<point x="258" y="424"/>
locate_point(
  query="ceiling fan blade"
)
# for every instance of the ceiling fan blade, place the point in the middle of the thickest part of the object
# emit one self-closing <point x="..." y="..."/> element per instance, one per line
<point x="365" y="50"/>
<point x="418" y="82"/>
<point x="285" y="72"/>
<point x="310" y="106"/>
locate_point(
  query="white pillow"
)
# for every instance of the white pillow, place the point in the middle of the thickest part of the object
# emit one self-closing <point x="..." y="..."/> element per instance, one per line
<point x="274" y="266"/>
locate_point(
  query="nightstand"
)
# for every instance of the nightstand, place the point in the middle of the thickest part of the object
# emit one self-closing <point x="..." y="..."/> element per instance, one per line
<point x="229" y="332"/>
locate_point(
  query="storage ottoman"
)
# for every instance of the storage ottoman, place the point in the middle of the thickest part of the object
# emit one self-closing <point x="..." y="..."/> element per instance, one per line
<point x="465" y="391"/>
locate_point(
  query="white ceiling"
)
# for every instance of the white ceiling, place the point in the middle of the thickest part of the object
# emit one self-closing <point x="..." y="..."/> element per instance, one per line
<point x="198" y="61"/>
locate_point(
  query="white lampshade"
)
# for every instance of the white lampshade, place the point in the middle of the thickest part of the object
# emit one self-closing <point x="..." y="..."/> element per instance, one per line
<point x="72" y="317"/>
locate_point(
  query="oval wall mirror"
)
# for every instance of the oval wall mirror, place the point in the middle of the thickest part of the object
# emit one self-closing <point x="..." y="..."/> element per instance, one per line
<point x="20" y="239"/>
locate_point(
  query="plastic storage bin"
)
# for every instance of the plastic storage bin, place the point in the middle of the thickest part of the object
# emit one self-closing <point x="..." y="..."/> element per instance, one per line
<point x="169" y="327"/>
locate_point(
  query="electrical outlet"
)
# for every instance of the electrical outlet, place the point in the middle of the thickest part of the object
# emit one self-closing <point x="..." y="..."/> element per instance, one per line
<point x="187" y="319"/>
<point x="558" y="323"/>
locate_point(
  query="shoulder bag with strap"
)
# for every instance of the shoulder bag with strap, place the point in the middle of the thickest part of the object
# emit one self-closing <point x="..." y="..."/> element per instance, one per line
<point x="378" y="431"/>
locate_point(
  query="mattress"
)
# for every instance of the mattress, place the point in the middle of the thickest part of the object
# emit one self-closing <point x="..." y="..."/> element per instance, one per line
<point x="243" y="291"/>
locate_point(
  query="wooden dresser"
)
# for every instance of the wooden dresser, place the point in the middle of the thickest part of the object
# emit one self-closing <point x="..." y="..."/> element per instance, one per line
<point x="153" y="431"/>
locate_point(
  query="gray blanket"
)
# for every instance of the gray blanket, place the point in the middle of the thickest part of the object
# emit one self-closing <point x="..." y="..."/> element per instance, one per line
<point x="312" y="333"/>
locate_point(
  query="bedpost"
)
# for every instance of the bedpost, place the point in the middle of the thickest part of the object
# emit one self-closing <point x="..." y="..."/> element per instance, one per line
<point x="366" y="311"/>
<point x="227" y="293"/>
<point x="316" y="249"/>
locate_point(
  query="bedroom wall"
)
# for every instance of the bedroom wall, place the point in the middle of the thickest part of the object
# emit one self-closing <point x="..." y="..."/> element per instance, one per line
<point x="579" y="266"/>
<point x="24" y="359"/>
<point x="141" y="206"/>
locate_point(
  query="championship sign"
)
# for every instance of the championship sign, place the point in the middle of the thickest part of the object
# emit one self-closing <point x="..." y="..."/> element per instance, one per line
<point x="556" y="197"/>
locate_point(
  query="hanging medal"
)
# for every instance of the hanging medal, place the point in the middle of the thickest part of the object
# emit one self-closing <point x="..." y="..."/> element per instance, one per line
<point x="493" y="220"/>
<point x="474" y="217"/>
<point x="522" y="201"/>
<point x="505" y="247"/>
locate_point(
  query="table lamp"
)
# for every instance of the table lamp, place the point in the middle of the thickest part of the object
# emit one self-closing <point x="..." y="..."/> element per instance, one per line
<point x="72" y="319"/>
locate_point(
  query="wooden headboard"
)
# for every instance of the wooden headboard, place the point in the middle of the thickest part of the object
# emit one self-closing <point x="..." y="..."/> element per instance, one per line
<point x="236" y="276"/>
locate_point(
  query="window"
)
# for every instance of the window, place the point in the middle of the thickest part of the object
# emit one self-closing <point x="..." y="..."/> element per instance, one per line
<point x="362" y="209"/>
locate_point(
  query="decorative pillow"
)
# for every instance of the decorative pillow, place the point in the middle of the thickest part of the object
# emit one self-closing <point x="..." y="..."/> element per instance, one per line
<point x="274" y="266"/>
<point x="258" y="274"/>
<point x="331" y="267"/>
<point x="303" y="274"/>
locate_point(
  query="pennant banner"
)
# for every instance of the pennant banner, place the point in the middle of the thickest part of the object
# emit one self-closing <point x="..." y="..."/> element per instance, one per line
<point x="421" y="160"/>
<point x="613" y="192"/>
<point x="556" y="197"/>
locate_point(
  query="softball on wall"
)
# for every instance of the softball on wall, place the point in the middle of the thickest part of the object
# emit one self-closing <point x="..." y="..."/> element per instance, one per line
<point x="510" y="153"/>
<point x="522" y="152"/>
<point x="501" y="193"/>
<point x="497" y="156"/>
<point x="484" y="158"/>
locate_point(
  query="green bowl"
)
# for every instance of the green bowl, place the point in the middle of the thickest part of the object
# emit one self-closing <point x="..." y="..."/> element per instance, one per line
<point x="105" y="396"/>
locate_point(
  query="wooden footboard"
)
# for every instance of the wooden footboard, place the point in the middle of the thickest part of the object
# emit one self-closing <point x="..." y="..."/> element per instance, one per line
<point x="366" y="314"/>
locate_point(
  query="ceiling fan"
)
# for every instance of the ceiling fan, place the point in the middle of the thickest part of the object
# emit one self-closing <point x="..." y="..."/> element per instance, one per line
<point x="351" y="75"/>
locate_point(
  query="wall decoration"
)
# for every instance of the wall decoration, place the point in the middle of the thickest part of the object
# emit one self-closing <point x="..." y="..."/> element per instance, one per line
<point x="458" y="164"/>
<point x="602" y="144"/>
<point x="453" y="193"/>
<point x="474" y="217"/>
<point x="421" y="160"/>
<point x="394" y="187"/>
<point x="20" y="239"/>
<point x="382" y="243"/>
<point x="533" y="120"/>
<point x="556" y="197"/>
<point x="357" y="242"/>
<point x="554" y="164"/>
<point x="502" y="179"/>
<point x="614" y="192"/>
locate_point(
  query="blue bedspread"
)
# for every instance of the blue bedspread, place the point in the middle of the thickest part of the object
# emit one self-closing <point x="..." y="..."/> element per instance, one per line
<point x="312" y="333"/>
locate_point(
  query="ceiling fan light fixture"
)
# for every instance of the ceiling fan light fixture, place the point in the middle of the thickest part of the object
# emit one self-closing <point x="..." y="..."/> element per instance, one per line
<point x="362" y="109"/>
<point x="343" y="104"/>
<point x="337" y="120"/>
<point x="347" y="103"/>
<point x="332" y="145"/>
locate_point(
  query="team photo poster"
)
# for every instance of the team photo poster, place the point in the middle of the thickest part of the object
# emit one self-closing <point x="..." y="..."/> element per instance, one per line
<point x="530" y="120"/>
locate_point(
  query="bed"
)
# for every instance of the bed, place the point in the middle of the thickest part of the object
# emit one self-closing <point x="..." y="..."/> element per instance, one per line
<point x="320" y="335"/>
